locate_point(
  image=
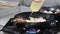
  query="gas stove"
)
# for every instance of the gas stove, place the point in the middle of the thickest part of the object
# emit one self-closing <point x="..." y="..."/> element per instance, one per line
<point x="52" y="28"/>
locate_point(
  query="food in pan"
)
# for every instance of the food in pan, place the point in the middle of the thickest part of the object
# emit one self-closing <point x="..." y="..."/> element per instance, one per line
<point x="40" y="19"/>
<point x="20" y="20"/>
<point x="34" y="20"/>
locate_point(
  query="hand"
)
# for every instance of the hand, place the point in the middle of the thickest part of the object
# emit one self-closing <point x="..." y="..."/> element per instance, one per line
<point x="37" y="1"/>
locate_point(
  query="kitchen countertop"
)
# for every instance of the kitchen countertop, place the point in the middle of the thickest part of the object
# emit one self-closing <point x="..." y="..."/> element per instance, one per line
<point x="1" y="32"/>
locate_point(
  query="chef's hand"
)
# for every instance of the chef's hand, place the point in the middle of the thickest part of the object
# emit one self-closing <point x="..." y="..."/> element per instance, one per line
<point x="37" y="1"/>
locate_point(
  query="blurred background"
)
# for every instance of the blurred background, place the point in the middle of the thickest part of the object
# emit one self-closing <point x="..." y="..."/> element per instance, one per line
<point x="9" y="8"/>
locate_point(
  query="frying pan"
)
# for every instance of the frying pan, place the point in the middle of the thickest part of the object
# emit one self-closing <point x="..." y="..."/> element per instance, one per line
<point x="25" y="15"/>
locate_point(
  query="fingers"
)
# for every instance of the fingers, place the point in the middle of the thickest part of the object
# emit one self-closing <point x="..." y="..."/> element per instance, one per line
<point x="37" y="1"/>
